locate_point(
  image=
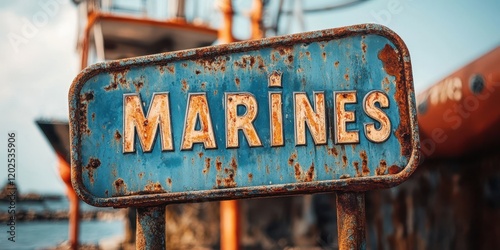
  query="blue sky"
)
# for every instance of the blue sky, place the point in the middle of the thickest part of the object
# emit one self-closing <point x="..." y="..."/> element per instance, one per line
<point x="442" y="36"/>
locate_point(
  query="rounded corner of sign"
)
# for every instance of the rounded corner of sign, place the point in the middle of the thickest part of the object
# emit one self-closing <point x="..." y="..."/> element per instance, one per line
<point x="409" y="169"/>
<point x="391" y="35"/>
<point x="83" y="194"/>
<point x="83" y="76"/>
<point x="80" y="190"/>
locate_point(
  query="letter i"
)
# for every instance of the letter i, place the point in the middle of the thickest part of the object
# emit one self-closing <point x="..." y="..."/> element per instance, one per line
<point x="276" y="109"/>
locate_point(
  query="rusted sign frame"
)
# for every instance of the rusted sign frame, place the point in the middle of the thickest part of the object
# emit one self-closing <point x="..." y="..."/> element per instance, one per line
<point x="410" y="142"/>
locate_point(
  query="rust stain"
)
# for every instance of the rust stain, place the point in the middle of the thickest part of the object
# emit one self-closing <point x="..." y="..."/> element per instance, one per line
<point x="344" y="161"/>
<point x="250" y="177"/>
<point x="336" y="64"/>
<point x="207" y="165"/>
<point x="88" y="96"/>
<point x="327" y="169"/>
<point x="364" y="163"/>
<point x="358" y="171"/>
<point x="385" y="84"/>
<point x="229" y="181"/>
<point x="333" y="151"/>
<point x="260" y="61"/>
<point x="153" y="187"/>
<point x="169" y="68"/>
<point x="284" y="50"/>
<point x="310" y="173"/>
<point x="213" y="64"/>
<point x="394" y="67"/>
<point x="345" y="176"/>
<point x="185" y="86"/>
<point x="273" y="57"/>
<point x="298" y="172"/>
<point x="117" y="136"/>
<point x="200" y="154"/>
<point x="292" y="159"/>
<point x="141" y="175"/>
<point x="93" y="116"/>
<point x="118" y="79"/>
<point x="394" y="169"/>
<point x="197" y="72"/>
<point x="184" y="65"/>
<point x="218" y="164"/>
<point x="241" y="63"/>
<point x="85" y="98"/>
<point x="169" y="182"/>
<point x="382" y="168"/>
<point x="233" y="164"/>
<point x="363" y="47"/>
<point x="237" y="81"/>
<point x="346" y="77"/>
<point x="120" y="186"/>
<point x="93" y="164"/>
<point x="324" y="56"/>
<point x="138" y="85"/>
<point x="111" y="86"/>
<point x="252" y="61"/>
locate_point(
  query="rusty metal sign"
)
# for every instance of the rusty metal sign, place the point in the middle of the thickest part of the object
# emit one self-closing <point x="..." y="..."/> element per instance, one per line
<point x="313" y="112"/>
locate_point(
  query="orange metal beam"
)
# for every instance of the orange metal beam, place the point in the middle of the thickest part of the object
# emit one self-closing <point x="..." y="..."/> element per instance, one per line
<point x="229" y="210"/>
<point x="74" y="204"/>
<point x="226" y="29"/>
<point x="256" y="20"/>
<point x="229" y="225"/>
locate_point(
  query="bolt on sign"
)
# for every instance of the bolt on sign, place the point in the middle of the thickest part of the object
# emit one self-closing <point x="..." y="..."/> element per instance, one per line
<point x="329" y="110"/>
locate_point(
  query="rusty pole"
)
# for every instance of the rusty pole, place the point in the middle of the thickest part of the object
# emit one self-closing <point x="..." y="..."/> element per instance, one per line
<point x="351" y="220"/>
<point x="150" y="232"/>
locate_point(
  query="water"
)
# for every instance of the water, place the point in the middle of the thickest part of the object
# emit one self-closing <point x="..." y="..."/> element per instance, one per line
<point x="51" y="205"/>
<point x="44" y="234"/>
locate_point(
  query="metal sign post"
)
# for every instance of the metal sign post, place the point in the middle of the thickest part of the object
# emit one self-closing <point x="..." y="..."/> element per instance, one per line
<point x="351" y="220"/>
<point x="323" y="111"/>
<point x="150" y="228"/>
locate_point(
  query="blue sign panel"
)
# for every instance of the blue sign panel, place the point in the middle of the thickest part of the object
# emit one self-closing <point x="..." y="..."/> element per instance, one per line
<point x="312" y="112"/>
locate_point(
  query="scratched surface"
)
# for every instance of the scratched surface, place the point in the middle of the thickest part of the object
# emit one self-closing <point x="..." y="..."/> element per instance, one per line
<point x="361" y="58"/>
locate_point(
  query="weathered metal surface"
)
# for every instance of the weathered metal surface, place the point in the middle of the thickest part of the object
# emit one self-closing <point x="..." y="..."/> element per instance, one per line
<point x="249" y="119"/>
<point x="150" y="233"/>
<point x="459" y="115"/>
<point x="351" y="220"/>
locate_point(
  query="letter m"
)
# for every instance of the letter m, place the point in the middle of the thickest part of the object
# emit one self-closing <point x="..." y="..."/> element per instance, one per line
<point x="146" y="127"/>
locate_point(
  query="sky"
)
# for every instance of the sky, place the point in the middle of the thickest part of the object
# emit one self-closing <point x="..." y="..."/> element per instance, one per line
<point x="39" y="59"/>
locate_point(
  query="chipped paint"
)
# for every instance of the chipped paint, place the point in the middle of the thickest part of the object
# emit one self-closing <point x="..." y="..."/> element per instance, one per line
<point x="231" y="107"/>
